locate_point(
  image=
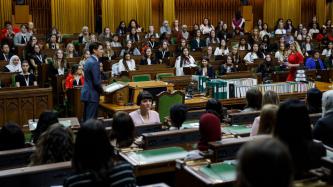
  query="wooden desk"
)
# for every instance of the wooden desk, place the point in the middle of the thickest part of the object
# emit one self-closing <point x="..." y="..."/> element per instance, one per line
<point x="138" y="87"/>
<point x="20" y="104"/>
<point x="324" y="86"/>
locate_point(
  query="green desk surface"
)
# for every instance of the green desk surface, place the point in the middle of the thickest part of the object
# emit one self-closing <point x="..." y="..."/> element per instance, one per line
<point x="329" y="154"/>
<point x="157" y="155"/>
<point x="220" y="172"/>
<point x="236" y="129"/>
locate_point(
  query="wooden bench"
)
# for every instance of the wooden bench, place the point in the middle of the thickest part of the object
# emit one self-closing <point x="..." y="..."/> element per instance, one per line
<point x="42" y="175"/>
<point x="6" y="79"/>
<point x="243" y="118"/>
<point x="15" y="158"/>
<point x="168" y="138"/>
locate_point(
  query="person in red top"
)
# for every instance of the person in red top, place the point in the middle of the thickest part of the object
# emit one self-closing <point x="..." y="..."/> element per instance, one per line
<point x="8" y="31"/>
<point x="295" y="58"/>
<point x="75" y="77"/>
<point x="210" y="130"/>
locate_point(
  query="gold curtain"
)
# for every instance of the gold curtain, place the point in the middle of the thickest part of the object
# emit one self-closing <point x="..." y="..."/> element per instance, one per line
<point x="70" y="15"/>
<point x="275" y="9"/>
<point x="321" y="11"/>
<point x="114" y="11"/>
<point x="5" y="11"/>
<point x="169" y="10"/>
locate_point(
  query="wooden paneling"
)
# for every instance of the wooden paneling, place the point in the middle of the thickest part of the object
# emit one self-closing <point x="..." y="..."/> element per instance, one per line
<point x="20" y="104"/>
<point x="308" y="10"/>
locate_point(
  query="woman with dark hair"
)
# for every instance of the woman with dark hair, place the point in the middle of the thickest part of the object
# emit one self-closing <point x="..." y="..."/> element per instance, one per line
<point x="293" y="128"/>
<point x="206" y="27"/>
<point x="144" y="115"/>
<point x="289" y="26"/>
<point x="206" y="69"/>
<point x="163" y="54"/>
<point x="313" y="100"/>
<point x="178" y="115"/>
<point x="121" y="29"/>
<point x="94" y="160"/>
<point x="185" y="60"/>
<point x="126" y="63"/>
<point x="75" y="77"/>
<point x="266" y="69"/>
<point x="253" y="100"/>
<point x="11" y="137"/>
<point x="229" y="66"/>
<point x="238" y="22"/>
<point x="54" y="145"/>
<point x="123" y="130"/>
<point x="58" y="64"/>
<point x="134" y="24"/>
<point x="133" y="36"/>
<point x="254" y="54"/>
<point x="148" y="57"/>
<point x="46" y="119"/>
<point x="215" y="107"/>
<point x="210" y="130"/>
<point x="130" y="49"/>
<point x="271" y="160"/>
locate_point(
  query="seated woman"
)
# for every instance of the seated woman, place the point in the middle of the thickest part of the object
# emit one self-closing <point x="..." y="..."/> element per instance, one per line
<point x="293" y="128"/>
<point x="70" y="51"/>
<point x="197" y="43"/>
<point x="267" y="120"/>
<point x="123" y="130"/>
<point x="84" y="35"/>
<point x="115" y="41"/>
<point x="266" y="69"/>
<point x="228" y="66"/>
<point x="126" y="63"/>
<point x="185" y="60"/>
<point x="37" y="58"/>
<point x="130" y="50"/>
<point x="152" y="43"/>
<point x="243" y="45"/>
<point x="121" y="29"/>
<point x="324" y="127"/>
<point x="209" y="54"/>
<point x="133" y="36"/>
<point x="58" y="64"/>
<point x="222" y="49"/>
<point x="212" y="39"/>
<point x="307" y="46"/>
<point x="272" y="162"/>
<point x="75" y="78"/>
<point x="14" y="65"/>
<point x="85" y="56"/>
<point x="210" y="130"/>
<point x="144" y="115"/>
<point x="25" y="78"/>
<point x="215" y="107"/>
<point x="46" y="119"/>
<point x="254" y="54"/>
<point x="148" y="58"/>
<point x="94" y="160"/>
<point x="206" y="69"/>
<point x="11" y="137"/>
<point x="56" y="144"/>
<point x="327" y="52"/>
<point x="108" y="52"/>
<point x="253" y="100"/>
<point x="315" y="62"/>
<point x="178" y="115"/>
<point x="313" y="100"/>
<point x="53" y="43"/>
<point x="163" y="54"/>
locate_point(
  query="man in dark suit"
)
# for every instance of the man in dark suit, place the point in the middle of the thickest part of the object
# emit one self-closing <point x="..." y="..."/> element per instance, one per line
<point x="5" y="53"/>
<point x="92" y="82"/>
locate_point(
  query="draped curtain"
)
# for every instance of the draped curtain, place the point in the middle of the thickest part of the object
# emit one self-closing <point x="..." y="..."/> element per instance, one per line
<point x="321" y="11"/>
<point x="70" y="15"/>
<point x="5" y="11"/>
<point x="114" y="11"/>
<point x="169" y="10"/>
<point x="308" y="11"/>
<point x="275" y="9"/>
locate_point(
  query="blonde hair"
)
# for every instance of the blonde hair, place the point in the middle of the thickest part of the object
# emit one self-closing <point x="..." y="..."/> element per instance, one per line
<point x="267" y="119"/>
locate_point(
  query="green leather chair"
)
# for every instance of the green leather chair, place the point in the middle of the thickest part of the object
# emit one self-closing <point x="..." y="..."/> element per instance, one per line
<point x="140" y="78"/>
<point x="165" y="100"/>
<point x="159" y="76"/>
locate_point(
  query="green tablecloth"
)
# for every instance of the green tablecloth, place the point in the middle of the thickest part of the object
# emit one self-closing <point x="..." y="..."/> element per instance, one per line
<point x="158" y="155"/>
<point x="220" y="172"/>
<point x="237" y="129"/>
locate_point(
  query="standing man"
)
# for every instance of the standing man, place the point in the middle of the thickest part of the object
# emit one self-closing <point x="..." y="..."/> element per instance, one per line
<point x="92" y="82"/>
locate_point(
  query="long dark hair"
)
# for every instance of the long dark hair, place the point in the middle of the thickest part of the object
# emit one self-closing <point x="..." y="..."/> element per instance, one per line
<point x="92" y="150"/>
<point x="46" y="119"/>
<point x="123" y="130"/>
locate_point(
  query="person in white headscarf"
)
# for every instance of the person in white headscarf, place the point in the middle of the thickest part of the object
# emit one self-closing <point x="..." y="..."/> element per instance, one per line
<point x="323" y="129"/>
<point x="14" y="65"/>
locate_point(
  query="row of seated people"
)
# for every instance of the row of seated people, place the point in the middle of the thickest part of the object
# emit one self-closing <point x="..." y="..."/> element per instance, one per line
<point x="88" y="155"/>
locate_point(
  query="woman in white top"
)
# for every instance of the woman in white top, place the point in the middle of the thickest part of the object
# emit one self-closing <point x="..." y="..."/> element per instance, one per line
<point x="280" y="29"/>
<point x="14" y="65"/>
<point x="264" y="31"/>
<point x="282" y="54"/>
<point x="313" y="30"/>
<point x="328" y="51"/>
<point x="222" y="49"/>
<point x="126" y="64"/>
<point x="206" y="27"/>
<point x="255" y="54"/>
<point x="185" y="60"/>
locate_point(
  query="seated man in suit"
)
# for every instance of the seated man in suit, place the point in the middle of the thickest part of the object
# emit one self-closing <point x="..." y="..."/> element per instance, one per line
<point x="5" y="52"/>
<point x="25" y="78"/>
